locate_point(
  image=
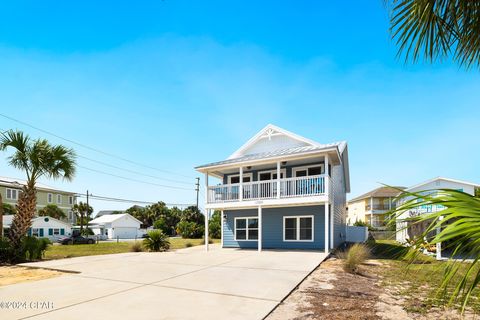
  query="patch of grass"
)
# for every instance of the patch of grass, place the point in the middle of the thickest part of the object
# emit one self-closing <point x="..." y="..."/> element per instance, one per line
<point x="417" y="282"/>
<point x="137" y="246"/>
<point x="61" y="252"/>
<point x="188" y="245"/>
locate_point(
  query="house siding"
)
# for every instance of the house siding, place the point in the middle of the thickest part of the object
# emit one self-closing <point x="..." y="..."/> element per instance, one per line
<point x="273" y="228"/>
<point x="339" y="202"/>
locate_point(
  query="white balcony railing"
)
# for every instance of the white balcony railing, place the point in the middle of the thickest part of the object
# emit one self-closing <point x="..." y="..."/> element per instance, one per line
<point x="268" y="189"/>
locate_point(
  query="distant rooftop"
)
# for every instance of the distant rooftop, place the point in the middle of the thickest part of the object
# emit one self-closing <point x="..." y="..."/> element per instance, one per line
<point x="381" y="192"/>
<point x="18" y="183"/>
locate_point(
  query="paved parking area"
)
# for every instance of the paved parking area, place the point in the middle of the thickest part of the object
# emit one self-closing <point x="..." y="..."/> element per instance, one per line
<point x="184" y="284"/>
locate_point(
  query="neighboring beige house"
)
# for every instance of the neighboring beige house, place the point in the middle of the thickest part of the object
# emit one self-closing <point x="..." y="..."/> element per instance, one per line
<point x="372" y="206"/>
<point x="10" y="189"/>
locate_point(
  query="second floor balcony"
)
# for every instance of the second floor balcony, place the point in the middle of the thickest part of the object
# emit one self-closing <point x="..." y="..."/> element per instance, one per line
<point x="316" y="185"/>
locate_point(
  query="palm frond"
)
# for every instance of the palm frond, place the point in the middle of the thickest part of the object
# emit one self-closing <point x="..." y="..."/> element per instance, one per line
<point x="437" y="29"/>
<point x="456" y="222"/>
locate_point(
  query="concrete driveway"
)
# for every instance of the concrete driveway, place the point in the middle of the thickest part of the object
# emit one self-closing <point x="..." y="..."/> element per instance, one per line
<point x="184" y="284"/>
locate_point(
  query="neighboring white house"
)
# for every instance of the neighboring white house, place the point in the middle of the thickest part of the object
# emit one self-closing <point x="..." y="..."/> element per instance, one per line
<point x="280" y="191"/>
<point x="433" y="184"/>
<point x="43" y="227"/>
<point x="122" y="226"/>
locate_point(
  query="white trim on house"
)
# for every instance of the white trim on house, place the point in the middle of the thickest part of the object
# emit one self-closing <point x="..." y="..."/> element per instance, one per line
<point x="267" y="131"/>
<point x="297" y="226"/>
<point x="246" y="228"/>
<point x="250" y="175"/>
<point x="295" y="169"/>
<point x="442" y="178"/>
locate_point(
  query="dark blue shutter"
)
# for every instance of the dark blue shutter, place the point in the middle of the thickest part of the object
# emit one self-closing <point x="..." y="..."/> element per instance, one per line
<point x="62" y="231"/>
<point x="29" y="232"/>
<point x="50" y="232"/>
<point x="41" y="232"/>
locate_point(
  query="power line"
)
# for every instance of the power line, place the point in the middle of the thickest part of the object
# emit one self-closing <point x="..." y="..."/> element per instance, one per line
<point x="133" y="171"/>
<point x="93" y="149"/>
<point x="105" y="198"/>
<point x="135" y="180"/>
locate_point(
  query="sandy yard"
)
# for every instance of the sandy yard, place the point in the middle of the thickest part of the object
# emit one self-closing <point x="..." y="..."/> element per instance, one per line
<point x="16" y="274"/>
<point x="331" y="293"/>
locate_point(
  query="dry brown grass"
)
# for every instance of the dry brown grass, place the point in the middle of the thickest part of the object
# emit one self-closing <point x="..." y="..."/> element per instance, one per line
<point x="354" y="257"/>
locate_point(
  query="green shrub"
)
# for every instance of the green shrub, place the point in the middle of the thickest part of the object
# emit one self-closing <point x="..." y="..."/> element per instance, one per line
<point x="359" y="223"/>
<point x="161" y="224"/>
<point x="156" y="241"/>
<point x="354" y="257"/>
<point x="190" y="230"/>
<point x="136" y="247"/>
<point x="6" y="250"/>
<point x="33" y="248"/>
<point x="188" y="245"/>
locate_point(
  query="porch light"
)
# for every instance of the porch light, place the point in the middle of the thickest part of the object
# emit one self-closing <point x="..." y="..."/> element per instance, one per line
<point x="224" y="216"/>
<point x="284" y="163"/>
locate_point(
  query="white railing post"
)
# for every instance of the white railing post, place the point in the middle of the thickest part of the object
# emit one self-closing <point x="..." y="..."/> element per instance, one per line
<point x="278" y="179"/>
<point x="240" y="192"/>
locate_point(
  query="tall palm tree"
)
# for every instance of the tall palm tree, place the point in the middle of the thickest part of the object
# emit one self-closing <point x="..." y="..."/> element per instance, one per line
<point x="37" y="158"/>
<point x="455" y="222"/>
<point x="437" y="29"/>
<point x="82" y="211"/>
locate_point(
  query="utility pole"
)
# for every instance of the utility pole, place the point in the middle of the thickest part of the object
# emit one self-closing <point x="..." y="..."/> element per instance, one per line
<point x="86" y="213"/>
<point x="197" y="188"/>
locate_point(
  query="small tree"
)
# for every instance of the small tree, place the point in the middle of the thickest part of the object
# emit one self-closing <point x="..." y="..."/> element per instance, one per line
<point x="214" y="227"/>
<point x="83" y="212"/>
<point x="52" y="210"/>
<point x="156" y="241"/>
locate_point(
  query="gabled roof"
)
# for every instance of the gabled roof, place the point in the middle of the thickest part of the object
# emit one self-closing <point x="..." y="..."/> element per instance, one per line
<point x="380" y="192"/>
<point x="267" y="133"/>
<point x="445" y="179"/>
<point x="108" y="218"/>
<point x="19" y="183"/>
<point x="7" y="220"/>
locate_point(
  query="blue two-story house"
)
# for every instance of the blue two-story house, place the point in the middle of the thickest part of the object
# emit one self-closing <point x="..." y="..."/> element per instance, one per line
<point x="280" y="191"/>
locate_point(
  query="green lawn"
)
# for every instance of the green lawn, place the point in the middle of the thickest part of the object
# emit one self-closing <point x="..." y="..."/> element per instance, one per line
<point x="61" y="251"/>
<point x="417" y="281"/>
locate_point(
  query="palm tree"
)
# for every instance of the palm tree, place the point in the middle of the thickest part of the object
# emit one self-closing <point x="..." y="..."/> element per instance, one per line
<point x="457" y="223"/>
<point x="37" y="158"/>
<point x="82" y="211"/>
<point x="437" y="29"/>
<point x="52" y="210"/>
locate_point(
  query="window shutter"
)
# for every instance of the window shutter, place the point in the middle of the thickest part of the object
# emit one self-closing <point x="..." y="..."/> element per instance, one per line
<point x="50" y="232"/>
<point x="41" y="232"/>
<point x="62" y="231"/>
<point x="29" y="232"/>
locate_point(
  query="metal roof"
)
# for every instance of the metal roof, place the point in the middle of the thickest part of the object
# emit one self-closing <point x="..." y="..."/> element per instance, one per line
<point x="276" y="153"/>
<point x="381" y="192"/>
<point x="18" y="183"/>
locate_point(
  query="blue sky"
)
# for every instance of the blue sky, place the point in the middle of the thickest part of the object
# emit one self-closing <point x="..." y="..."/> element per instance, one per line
<point x="175" y="84"/>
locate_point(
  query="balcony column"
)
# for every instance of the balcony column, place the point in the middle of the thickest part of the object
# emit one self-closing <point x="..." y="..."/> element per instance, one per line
<point x="327" y="225"/>
<point x="278" y="179"/>
<point x="327" y="176"/>
<point x="206" y="188"/>
<point x="206" y="228"/>
<point x="240" y="192"/>
<point x="260" y="228"/>
<point x="222" y="221"/>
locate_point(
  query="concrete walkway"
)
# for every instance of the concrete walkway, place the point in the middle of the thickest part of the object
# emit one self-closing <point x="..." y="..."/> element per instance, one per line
<point x="184" y="284"/>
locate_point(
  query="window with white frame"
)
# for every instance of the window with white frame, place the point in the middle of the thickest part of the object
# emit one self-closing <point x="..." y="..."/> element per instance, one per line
<point x="298" y="228"/>
<point x="59" y="198"/>
<point x="35" y="232"/>
<point x="56" y="231"/>
<point x="246" y="228"/>
<point x="70" y="215"/>
<point x="70" y="200"/>
<point x="49" y="198"/>
<point x="12" y="194"/>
